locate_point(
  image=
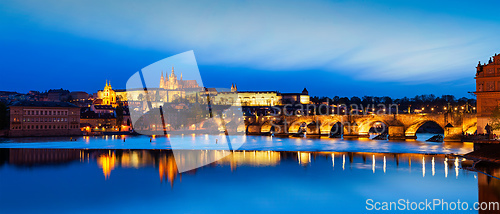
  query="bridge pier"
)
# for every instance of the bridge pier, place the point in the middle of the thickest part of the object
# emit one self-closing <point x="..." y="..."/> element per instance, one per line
<point x="363" y="135"/>
<point x="350" y="136"/>
<point x="453" y="134"/>
<point x="413" y="137"/>
<point x="253" y="129"/>
<point x="350" y="132"/>
<point x="397" y="132"/>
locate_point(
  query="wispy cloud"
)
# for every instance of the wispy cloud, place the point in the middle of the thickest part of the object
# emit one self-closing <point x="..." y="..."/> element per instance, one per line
<point x="369" y="41"/>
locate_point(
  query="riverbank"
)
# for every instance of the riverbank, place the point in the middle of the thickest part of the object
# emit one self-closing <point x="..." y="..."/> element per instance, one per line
<point x="240" y="142"/>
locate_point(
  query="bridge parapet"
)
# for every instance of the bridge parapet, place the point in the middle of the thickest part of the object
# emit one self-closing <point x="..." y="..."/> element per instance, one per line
<point x="353" y="126"/>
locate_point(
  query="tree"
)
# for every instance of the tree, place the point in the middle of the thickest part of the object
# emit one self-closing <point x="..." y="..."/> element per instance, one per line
<point x="495" y="119"/>
<point x="355" y="100"/>
<point x="119" y="116"/>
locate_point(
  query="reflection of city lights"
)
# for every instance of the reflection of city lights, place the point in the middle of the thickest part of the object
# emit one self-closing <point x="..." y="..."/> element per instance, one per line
<point x="373" y="163"/>
<point x="433" y="170"/>
<point x="298" y="156"/>
<point x="343" y="162"/>
<point x="456" y="167"/>
<point x="384" y="164"/>
<point x="259" y="158"/>
<point x="167" y="168"/>
<point x="107" y="163"/>
<point x="304" y="158"/>
<point x="333" y="160"/>
<point x="423" y="166"/>
<point x="409" y="162"/>
<point x="445" y="167"/>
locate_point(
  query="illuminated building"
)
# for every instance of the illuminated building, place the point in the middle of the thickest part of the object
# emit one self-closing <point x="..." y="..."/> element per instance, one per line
<point x="31" y="118"/>
<point x="106" y="96"/>
<point x="487" y="90"/>
<point x="302" y="98"/>
<point x="173" y="89"/>
<point x="171" y="82"/>
<point x="261" y="98"/>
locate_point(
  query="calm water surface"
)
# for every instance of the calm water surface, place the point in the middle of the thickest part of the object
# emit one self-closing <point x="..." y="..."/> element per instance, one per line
<point x="107" y="174"/>
<point x="103" y="181"/>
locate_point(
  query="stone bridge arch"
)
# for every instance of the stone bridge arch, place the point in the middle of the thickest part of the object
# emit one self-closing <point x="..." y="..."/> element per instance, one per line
<point x="411" y="130"/>
<point x="365" y="126"/>
<point x="400" y="126"/>
<point x="293" y="127"/>
<point x="469" y="124"/>
<point x="327" y="125"/>
<point x="327" y="122"/>
<point x="471" y="128"/>
<point x="266" y="126"/>
<point x="365" y="122"/>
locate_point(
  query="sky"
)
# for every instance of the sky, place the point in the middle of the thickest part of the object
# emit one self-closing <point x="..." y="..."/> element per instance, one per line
<point x="333" y="48"/>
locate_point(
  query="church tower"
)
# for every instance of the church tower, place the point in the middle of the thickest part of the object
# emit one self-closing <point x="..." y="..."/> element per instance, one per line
<point x="108" y="95"/>
<point x="171" y="82"/>
<point x="162" y="81"/>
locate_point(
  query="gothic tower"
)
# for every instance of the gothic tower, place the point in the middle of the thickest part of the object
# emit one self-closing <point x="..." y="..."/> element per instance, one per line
<point x="162" y="81"/>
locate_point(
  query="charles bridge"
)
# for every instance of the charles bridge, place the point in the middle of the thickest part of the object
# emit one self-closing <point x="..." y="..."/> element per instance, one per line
<point x="400" y="126"/>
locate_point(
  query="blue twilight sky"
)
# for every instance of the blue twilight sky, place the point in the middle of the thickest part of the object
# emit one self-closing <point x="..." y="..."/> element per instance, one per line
<point x="346" y="48"/>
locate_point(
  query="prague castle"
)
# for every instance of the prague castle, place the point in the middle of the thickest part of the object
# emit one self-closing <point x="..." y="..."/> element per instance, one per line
<point x="171" y="82"/>
<point x="173" y="89"/>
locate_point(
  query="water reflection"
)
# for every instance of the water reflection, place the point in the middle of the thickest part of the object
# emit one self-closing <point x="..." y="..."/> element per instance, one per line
<point x="107" y="163"/>
<point x="164" y="160"/>
<point x="392" y="169"/>
<point x="489" y="187"/>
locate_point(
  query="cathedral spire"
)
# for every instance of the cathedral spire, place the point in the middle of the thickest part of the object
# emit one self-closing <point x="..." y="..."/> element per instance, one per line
<point x="181" y="76"/>
<point x="162" y="80"/>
